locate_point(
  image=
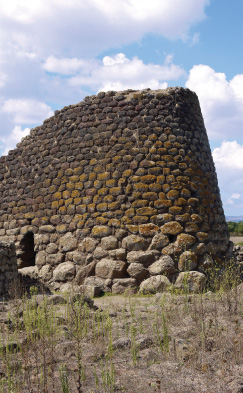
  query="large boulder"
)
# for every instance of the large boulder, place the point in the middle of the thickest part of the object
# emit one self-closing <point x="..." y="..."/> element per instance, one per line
<point x="124" y="285"/>
<point x="190" y="281"/>
<point x="165" y="265"/>
<point x="138" y="271"/>
<point x="134" y="243"/>
<point x="64" y="272"/>
<point x="144" y="257"/>
<point x="68" y="242"/>
<point x="110" y="268"/>
<point x="155" y="284"/>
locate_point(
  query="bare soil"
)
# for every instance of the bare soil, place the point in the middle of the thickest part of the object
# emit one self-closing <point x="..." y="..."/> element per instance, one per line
<point x="162" y="343"/>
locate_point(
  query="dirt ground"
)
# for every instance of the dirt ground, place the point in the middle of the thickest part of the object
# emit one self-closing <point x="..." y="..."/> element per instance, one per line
<point x="166" y="343"/>
<point x="236" y="239"/>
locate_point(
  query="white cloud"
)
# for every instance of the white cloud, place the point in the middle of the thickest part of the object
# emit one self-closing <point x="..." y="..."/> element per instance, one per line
<point x="229" y="156"/>
<point x="90" y="26"/>
<point x="26" y="111"/>
<point x="221" y="101"/>
<point x="64" y="66"/>
<point x="13" y="138"/>
<point x="228" y="159"/>
<point x="118" y="73"/>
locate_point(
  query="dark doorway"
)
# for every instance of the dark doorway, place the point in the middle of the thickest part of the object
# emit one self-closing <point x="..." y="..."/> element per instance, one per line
<point x="26" y="252"/>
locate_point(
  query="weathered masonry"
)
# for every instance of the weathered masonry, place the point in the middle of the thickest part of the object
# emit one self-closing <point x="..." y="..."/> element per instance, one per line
<point x="115" y="190"/>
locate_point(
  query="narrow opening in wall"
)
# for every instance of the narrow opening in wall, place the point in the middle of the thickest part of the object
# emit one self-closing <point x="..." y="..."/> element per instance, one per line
<point x="26" y="252"/>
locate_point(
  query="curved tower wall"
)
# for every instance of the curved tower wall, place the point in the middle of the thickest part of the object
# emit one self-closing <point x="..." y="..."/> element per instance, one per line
<point x="119" y="164"/>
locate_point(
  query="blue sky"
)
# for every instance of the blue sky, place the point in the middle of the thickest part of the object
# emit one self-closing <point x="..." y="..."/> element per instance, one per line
<point x="55" y="52"/>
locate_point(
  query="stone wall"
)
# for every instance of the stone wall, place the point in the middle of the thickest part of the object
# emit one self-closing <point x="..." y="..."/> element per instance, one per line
<point x="119" y="186"/>
<point x="8" y="267"/>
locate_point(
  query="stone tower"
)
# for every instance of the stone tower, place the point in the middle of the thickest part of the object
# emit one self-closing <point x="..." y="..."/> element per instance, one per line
<point x="115" y="190"/>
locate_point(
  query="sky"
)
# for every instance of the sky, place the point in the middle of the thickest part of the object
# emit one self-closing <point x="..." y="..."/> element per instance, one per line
<point x="53" y="53"/>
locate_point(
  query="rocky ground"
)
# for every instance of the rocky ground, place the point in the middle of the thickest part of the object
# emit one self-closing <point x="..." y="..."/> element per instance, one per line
<point x="163" y="343"/>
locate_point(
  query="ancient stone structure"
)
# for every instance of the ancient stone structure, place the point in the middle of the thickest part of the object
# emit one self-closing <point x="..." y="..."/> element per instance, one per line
<point x="8" y="267"/>
<point x="115" y="190"/>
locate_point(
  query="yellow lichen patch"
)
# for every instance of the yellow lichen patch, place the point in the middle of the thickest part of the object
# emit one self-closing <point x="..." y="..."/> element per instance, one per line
<point x="202" y="236"/>
<point x="172" y="195"/>
<point x="113" y="206"/>
<point x="162" y="195"/>
<point x="170" y="178"/>
<point x="68" y="172"/>
<point x="61" y="202"/>
<point x="111" y="183"/>
<point x="148" y="229"/>
<point x="128" y="189"/>
<point x="175" y="210"/>
<point x="130" y="212"/>
<point x="64" y="180"/>
<point x="91" y="208"/>
<point x="126" y="220"/>
<point x="116" y="159"/>
<point x="102" y="207"/>
<point x="122" y="181"/>
<point x="92" y="176"/>
<point x="171" y="228"/>
<point x="140" y="187"/>
<point x="104" y="176"/>
<point x="29" y="216"/>
<point x="166" y="187"/>
<point x="113" y="222"/>
<point x="191" y="227"/>
<point x="155" y="187"/>
<point x="60" y="174"/>
<point x="158" y="144"/>
<point x="101" y="221"/>
<point x="162" y="203"/>
<point x="83" y="177"/>
<point x="182" y="165"/>
<point x="52" y="189"/>
<point x="77" y="201"/>
<point x="167" y="144"/>
<point x="74" y="179"/>
<point x="75" y="194"/>
<point x="66" y="194"/>
<point x="98" y="169"/>
<point x="196" y="218"/>
<point x="135" y="179"/>
<point x="127" y="173"/>
<point x="80" y="224"/>
<point x="146" y="211"/>
<point x="55" y="205"/>
<point x="70" y="186"/>
<point x="63" y="210"/>
<point x="185" y="241"/>
<point x="150" y="196"/>
<point x="68" y="201"/>
<point x="152" y="137"/>
<point x="140" y="219"/>
<point x="62" y="228"/>
<point x="132" y="228"/>
<point x="183" y="218"/>
<point x="153" y="150"/>
<point x="108" y="199"/>
<point x="148" y="179"/>
<point x="183" y="179"/>
<point x="116" y="191"/>
<point x="47" y="183"/>
<point x="87" y="200"/>
<point x="103" y="191"/>
<point x="78" y="171"/>
<point x="181" y="201"/>
<point x="93" y="161"/>
<point x="136" y="195"/>
<point x="162" y="151"/>
<point x="140" y="203"/>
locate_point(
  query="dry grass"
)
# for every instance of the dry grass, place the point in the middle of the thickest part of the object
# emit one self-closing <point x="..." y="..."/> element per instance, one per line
<point x="164" y="343"/>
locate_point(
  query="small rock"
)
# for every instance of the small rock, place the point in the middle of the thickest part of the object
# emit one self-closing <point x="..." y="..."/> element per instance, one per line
<point x="164" y="265"/>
